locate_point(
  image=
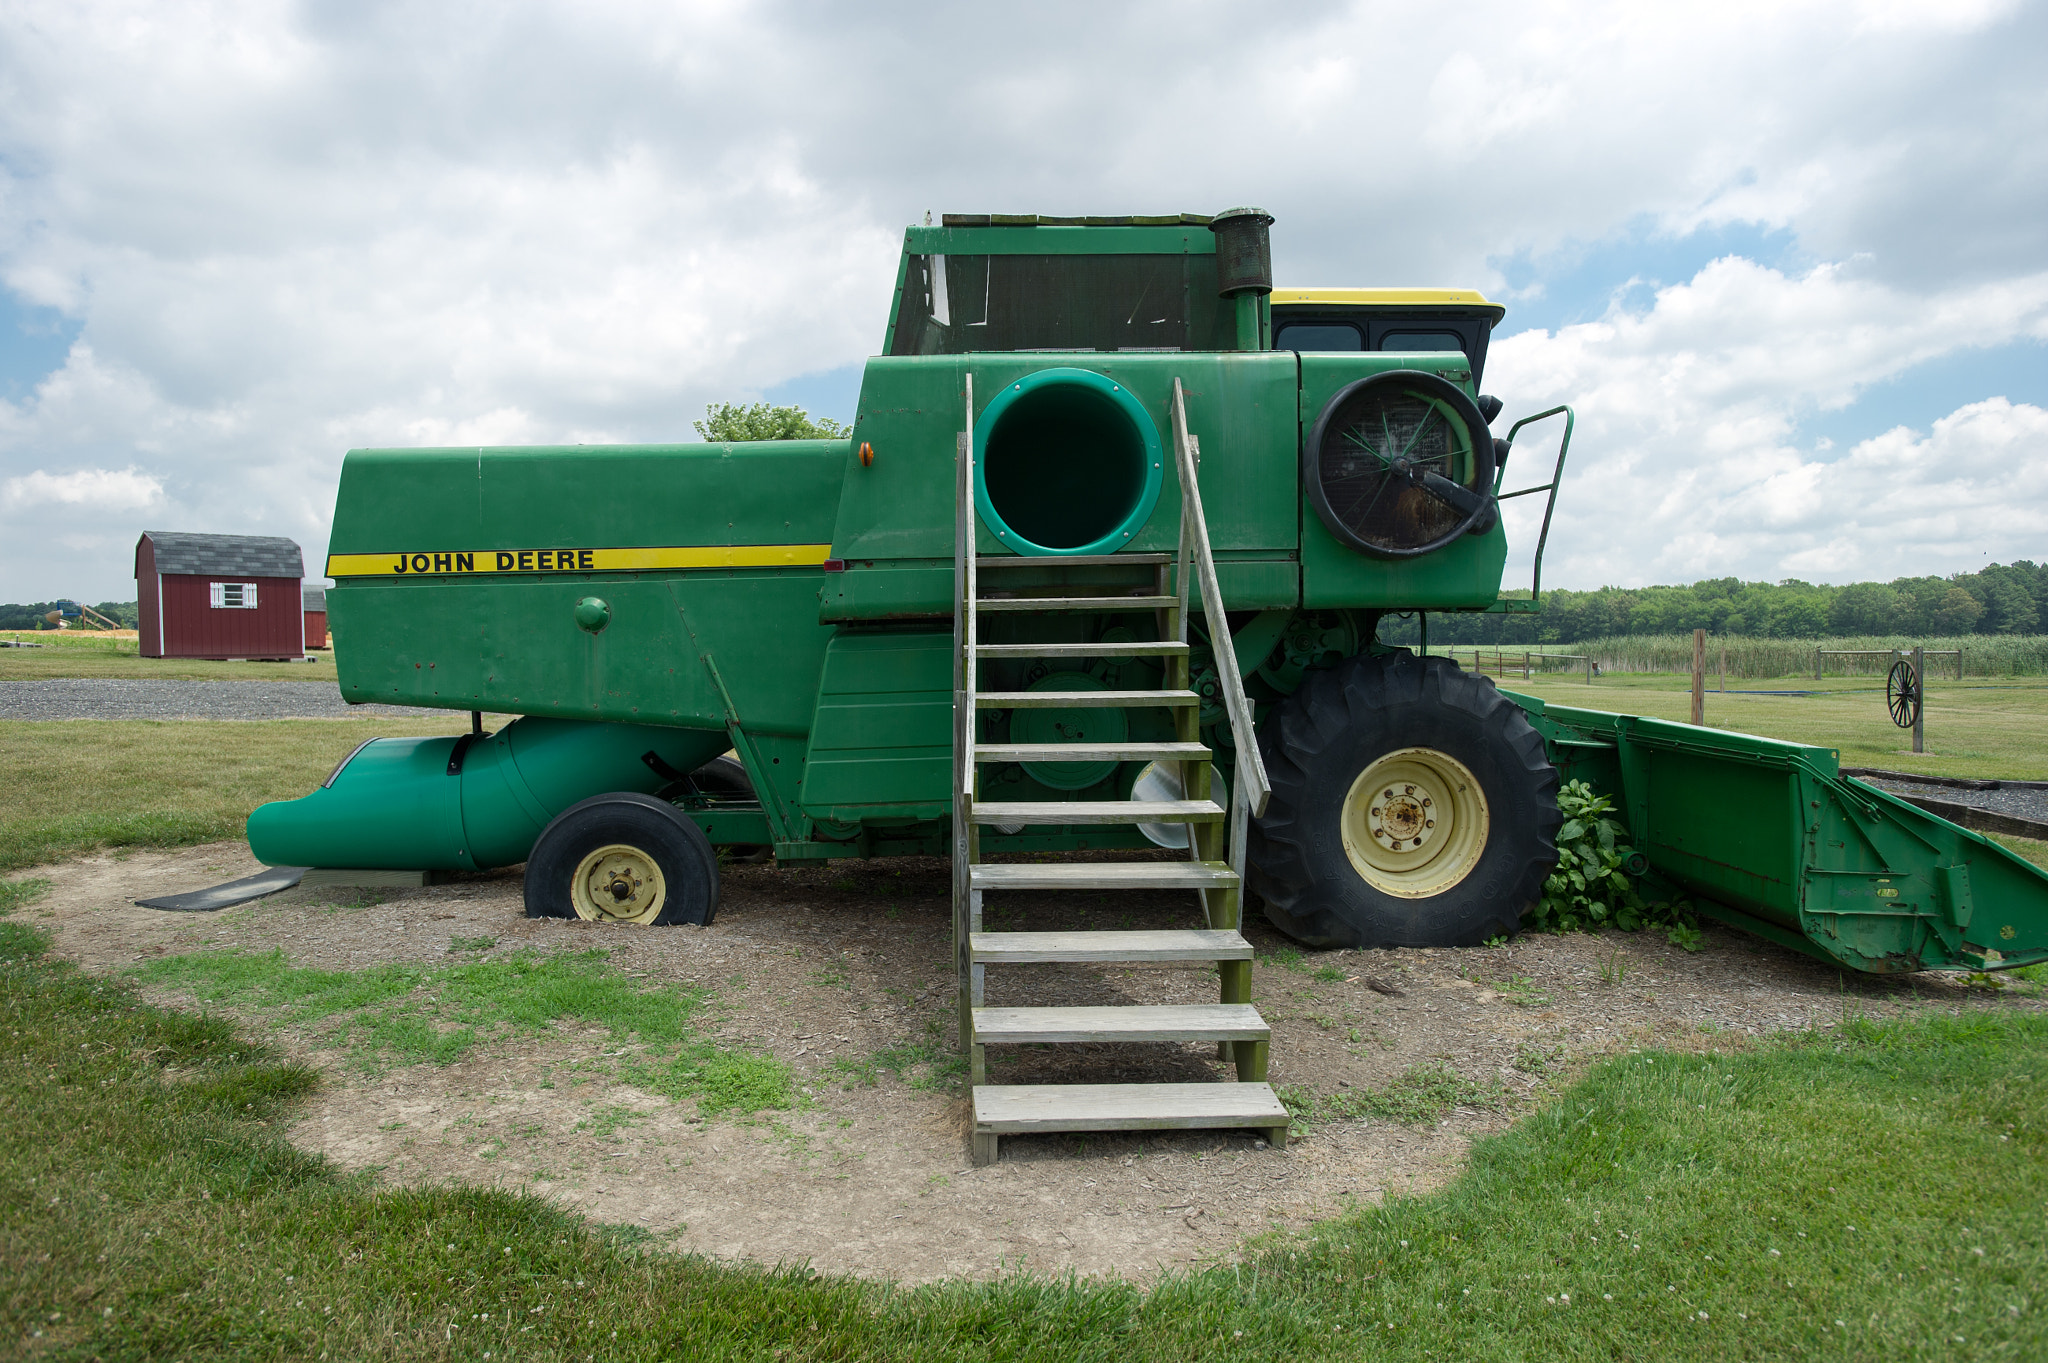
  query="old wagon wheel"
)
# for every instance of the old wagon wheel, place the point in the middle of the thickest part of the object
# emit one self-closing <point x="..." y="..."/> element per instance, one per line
<point x="1902" y="694"/>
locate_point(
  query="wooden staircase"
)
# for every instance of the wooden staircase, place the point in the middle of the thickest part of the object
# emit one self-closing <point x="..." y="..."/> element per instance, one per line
<point x="1214" y="870"/>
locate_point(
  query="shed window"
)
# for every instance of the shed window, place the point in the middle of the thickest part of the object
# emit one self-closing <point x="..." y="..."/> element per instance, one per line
<point x="233" y="596"/>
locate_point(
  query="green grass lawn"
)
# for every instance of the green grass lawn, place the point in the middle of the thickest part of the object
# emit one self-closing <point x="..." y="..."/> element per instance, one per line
<point x="88" y="655"/>
<point x="70" y="788"/>
<point x="1867" y="1191"/>
<point x="1995" y="727"/>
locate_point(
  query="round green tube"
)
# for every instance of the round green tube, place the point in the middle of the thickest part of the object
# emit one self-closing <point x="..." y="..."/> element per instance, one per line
<point x="394" y="806"/>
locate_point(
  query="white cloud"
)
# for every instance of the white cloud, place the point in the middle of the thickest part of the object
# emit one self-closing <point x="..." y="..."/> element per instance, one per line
<point x="102" y="490"/>
<point x="286" y="230"/>
<point x="1684" y="463"/>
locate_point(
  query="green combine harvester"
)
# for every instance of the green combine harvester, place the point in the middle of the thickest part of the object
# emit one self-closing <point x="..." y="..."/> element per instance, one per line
<point x="1101" y="568"/>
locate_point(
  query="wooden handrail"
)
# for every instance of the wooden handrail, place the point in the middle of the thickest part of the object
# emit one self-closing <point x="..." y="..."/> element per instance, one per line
<point x="1195" y="537"/>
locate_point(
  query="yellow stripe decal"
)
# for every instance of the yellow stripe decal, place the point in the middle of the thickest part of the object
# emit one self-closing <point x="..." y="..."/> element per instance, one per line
<point x="468" y="562"/>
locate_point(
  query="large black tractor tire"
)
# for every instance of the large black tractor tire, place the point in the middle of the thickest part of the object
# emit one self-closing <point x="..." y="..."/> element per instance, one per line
<point x="623" y="858"/>
<point x="1413" y="806"/>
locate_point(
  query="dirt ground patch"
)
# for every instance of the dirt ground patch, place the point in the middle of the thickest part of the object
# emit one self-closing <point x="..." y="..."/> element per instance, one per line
<point x="843" y="971"/>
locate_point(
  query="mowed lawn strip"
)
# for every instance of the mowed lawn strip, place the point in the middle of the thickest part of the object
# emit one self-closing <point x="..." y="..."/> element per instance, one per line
<point x="1981" y="728"/>
<point x="71" y="787"/>
<point x="89" y="655"/>
<point x="1668" y="1205"/>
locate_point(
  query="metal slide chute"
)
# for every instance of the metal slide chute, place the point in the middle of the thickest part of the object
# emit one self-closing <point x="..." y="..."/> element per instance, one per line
<point x="1768" y="836"/>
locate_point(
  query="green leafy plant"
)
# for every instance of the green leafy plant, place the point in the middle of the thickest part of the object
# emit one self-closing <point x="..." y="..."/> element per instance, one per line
<point x="1522" y="991"/>
<point x="1591" y="887"/>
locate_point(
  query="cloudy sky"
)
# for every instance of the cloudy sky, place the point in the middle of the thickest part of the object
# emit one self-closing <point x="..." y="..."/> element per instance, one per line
<point x="1789" y="261"/>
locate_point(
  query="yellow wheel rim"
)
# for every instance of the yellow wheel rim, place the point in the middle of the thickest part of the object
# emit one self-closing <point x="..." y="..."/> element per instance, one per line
<point x="1415" y="822"/>
<point x="618" y="884"/>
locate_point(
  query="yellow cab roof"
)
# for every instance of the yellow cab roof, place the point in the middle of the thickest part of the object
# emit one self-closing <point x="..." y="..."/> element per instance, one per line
<point x="1389" y="298"/>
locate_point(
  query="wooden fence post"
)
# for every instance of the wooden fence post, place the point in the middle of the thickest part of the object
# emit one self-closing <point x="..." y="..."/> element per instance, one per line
<point x="1724" y="664"/>
<point x="1699" y="676"/>
<point x="1589" y="669"/>
<point x="1816" y="664"/>
<point x="1919" y="699"/>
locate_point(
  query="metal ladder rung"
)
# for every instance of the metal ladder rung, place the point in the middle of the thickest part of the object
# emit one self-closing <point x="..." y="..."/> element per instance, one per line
<point x="1070" y="560"/>
<point x="1097" y="811"/>
<point x="1166" y="648"/>
<point x="989" y="605"/>
<point x="1129" y="1022"/>
<point x="1081" y="700"/>
<point x="1019" y="948"/>
<point x="1102" y="875"/>
<point x="1090" y="752"/>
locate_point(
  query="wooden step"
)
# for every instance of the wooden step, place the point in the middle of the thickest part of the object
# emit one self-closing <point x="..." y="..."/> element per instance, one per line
<point x="1142" y="1022"/>
<point x="1102" y="875"/>
<point x="1097" y="811"/>
<point x="1137" y="649"/>
<point x="1081" y="700"/>
<point x="991" y="604"/>
<point x="1018" y="948"/>
<point x="1089" y="752"/>
<point x="1070" y="560"/>
<point x="1009" y="1109"/>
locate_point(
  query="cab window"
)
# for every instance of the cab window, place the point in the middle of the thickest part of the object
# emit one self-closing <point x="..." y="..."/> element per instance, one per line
<point x="1318" y="336"/>
<point x="1421" y="340"/>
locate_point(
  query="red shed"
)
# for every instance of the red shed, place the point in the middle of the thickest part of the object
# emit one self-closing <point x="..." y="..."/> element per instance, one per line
<point x="315" y="600"/>
<point x="219" y="596"/>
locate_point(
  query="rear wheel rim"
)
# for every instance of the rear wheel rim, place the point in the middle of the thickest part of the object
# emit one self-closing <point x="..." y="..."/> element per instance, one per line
<point x="1415" y="823"/>
<point x="618" y="883"/>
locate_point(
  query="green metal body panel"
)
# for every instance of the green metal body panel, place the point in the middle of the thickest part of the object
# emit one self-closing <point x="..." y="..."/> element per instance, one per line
<point x="1770" y="837"/>
<point x="882" y="741"/>
<point x="510" y="643"/>
<point x="911" y="408"/>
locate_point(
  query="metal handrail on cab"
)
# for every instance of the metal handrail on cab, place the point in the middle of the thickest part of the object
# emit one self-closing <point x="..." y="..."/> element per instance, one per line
<point x="1550" y="505"/>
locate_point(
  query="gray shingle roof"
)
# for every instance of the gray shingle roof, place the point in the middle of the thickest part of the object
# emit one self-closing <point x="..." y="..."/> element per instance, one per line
<point x="219" y="555"/>
<point x="313" y="598"/>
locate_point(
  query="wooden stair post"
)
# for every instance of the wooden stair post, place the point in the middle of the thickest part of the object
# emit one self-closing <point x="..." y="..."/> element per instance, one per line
<point x="1214" y="869"/>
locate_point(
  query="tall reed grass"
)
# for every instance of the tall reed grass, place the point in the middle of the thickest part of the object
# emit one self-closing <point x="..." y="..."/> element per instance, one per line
<point x="1984" y="655"/>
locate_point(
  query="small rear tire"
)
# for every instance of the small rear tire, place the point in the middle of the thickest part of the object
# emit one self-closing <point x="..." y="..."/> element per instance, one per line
<point x="623" y="858"/>
<point x="1413" y="805"/>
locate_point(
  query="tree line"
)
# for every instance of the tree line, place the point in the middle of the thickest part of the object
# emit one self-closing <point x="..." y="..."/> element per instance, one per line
<point x="30" y="616"/>
<point x="2002" y="599"/>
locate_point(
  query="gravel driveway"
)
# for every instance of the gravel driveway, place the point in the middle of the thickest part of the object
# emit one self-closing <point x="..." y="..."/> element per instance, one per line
<point x="107" y="698"/>
<point x="2021" y="802"/>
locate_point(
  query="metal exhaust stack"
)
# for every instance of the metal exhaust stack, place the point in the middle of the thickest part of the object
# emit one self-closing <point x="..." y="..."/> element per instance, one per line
<point x="1244" y="271"/>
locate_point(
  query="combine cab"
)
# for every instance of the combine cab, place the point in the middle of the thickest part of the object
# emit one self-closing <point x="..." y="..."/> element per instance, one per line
<point x="1100" y="568"/>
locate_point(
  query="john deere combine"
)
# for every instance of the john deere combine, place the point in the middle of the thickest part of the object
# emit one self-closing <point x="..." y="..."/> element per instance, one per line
<point x="1100" y="567"/>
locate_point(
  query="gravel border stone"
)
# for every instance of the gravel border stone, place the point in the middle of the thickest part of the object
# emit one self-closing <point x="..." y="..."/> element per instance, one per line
<point x="120" y="698"/>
